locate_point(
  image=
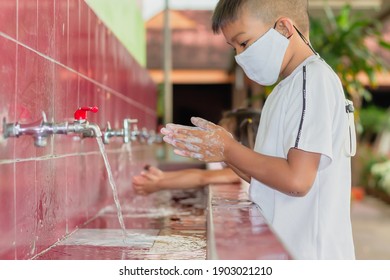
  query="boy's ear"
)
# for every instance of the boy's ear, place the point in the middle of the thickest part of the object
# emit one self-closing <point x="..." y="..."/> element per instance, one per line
<point x="285" y="27"/>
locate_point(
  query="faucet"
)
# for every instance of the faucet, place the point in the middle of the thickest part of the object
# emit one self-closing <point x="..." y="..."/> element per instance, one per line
<point x="126" y="132"/>
<point x="41" y="129"/>
<point x="135" y="132"/>
<point x="147" y="136"/>
<point x="142" y="135"/>
<point x="81" y="124"/>
<point x="155" y="137"/>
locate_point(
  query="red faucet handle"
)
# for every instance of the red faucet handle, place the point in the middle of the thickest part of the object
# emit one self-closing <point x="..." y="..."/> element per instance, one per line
<point x="81" y="113"/>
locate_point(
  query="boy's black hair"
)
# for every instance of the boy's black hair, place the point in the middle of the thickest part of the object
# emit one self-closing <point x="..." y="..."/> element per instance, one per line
<point x="228" y="11"/>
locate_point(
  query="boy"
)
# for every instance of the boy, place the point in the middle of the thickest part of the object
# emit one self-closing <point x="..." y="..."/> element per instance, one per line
<point x="300" y="168"/>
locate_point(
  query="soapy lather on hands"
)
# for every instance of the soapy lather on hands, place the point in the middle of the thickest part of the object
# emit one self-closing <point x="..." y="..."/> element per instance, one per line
<point x="206" y="141"/>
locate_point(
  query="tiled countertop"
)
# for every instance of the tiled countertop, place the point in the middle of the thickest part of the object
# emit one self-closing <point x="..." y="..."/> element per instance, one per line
<point x="172" y="225"/>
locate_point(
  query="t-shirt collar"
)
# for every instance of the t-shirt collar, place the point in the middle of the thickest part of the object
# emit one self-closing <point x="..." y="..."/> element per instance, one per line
<point x="298" y="69"/>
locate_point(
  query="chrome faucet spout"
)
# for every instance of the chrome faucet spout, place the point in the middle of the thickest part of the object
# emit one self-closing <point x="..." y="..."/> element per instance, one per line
<point x="94" y="129"/>
<point x="109" y="133"/>
<point x="126" y="132"/>
<point x="83" y="127"/>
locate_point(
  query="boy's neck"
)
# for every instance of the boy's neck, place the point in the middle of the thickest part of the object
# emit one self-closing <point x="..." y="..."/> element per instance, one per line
<point x="296" y="59"/>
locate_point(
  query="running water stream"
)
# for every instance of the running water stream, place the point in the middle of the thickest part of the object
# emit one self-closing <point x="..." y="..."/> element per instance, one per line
<point x="112" y="184"/>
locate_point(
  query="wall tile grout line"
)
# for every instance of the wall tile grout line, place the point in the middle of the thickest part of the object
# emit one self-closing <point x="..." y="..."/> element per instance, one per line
<point x="104" y="87"/>
<point x="52" y="156"/>
<point x="15" y="106"/>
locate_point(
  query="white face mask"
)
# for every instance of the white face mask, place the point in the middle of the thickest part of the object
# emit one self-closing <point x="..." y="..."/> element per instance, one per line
<point x="262" y="61"/>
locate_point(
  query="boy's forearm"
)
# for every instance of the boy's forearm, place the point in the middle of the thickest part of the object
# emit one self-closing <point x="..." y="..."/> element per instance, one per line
<point x="194" y="178"/>
<point x="222" y="176"/>
<point x="269" y="170"/>
<point x="285" y="175"/>
<point x="181" y="179"/>
<point x="241" y="174"/>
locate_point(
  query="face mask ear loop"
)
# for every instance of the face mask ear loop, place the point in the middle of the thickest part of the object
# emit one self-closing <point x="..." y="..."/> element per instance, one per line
<point x="305" y="40"/>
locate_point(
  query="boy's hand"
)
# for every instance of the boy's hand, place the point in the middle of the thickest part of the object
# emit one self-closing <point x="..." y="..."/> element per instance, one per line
<point x="206" y="141"/>
<point x="148" y="181"/>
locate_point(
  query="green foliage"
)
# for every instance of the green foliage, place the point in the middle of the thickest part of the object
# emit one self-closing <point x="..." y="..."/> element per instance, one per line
<point x="341" y="41"/>
<point x="373" y="121"/>
<point x="367" y="159"/>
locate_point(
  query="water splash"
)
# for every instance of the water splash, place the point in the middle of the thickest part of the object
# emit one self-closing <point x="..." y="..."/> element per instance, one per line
<point x="112" y="184"/>
<point x="150" y="243"/>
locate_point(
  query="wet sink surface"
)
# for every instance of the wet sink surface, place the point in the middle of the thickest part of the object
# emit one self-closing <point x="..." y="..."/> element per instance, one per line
<point x="169" y="225"/>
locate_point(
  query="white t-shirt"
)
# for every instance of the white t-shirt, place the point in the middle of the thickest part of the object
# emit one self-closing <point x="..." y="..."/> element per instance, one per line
<point x="309" y="116"/>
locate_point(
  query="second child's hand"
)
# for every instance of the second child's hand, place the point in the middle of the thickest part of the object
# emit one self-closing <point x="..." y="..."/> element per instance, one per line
<point x="206" y="141"/>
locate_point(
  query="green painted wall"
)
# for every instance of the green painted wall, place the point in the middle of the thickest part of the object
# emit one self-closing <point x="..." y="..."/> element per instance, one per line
<point x="124" y="18"/>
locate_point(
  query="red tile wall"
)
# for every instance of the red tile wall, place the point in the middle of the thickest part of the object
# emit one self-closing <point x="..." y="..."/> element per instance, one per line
<point x="56" y="55"/>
